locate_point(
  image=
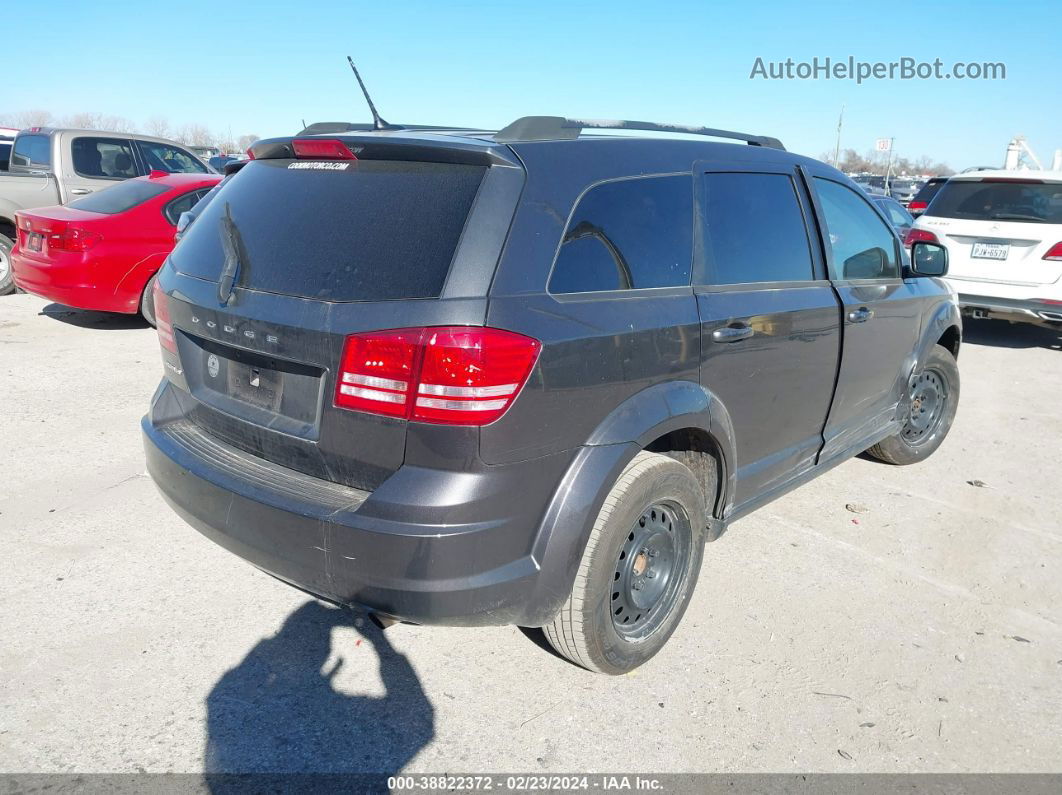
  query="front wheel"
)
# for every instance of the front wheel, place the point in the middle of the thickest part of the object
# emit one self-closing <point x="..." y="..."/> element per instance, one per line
<point x="7" y="277"/>
<point x="931" y="406"/>
<point x="638" y="570"/>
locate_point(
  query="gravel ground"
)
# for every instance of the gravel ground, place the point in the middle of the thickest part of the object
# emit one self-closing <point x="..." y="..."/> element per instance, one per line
<point x="917" y="629"/>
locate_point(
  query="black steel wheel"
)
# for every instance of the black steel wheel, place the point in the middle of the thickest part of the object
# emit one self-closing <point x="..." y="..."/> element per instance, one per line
<point x="928" y="398"/>
<point x="648" y="569"/>
<point x="928" y="413"/>
<point x="639" y="567"/>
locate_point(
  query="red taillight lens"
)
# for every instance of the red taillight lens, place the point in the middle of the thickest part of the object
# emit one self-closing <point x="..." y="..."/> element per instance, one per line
<point x="73" y="238"/>
<point x="322" y="149"/>
<point x="470" y="376"/>
<point x="917" y="206"/>
<point x="452" y="375"/>
<point x="377" y="370"/>
<point x="919" y="236"/>
<point x="162" y="319"/>
<point x="1054" y="253"/>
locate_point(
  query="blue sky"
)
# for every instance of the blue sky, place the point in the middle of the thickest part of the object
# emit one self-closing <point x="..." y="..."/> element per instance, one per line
<point x="262" y="67"/>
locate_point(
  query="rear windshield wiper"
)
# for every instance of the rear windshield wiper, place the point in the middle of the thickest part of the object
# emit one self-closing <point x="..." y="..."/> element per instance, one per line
<point x="232" y="244"/>
<point x="1017" y="217"/>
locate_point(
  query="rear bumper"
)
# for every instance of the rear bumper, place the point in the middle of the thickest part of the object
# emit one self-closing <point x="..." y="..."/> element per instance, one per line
<point x="71" y="284"/>
<point x="1012" y="309"/>
<point x="360" y="548"/>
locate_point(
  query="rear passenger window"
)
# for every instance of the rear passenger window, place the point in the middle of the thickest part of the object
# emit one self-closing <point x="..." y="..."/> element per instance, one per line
<point x="183" y="204"/>
<point x="863" y="246"/>
<point x="626" y="235"/>
<point x="755" y="229"/>
<point x="103" y="157"/>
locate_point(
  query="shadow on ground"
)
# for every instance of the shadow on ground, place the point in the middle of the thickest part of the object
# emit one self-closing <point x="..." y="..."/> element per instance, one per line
<point x="277" y="712"/>
<point x="87" y="318"/>
<point x="1001" y="334"/>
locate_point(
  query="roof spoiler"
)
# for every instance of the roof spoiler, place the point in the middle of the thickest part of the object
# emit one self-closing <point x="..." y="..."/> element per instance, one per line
<point x="553" y="128"/>
<point x="335" y="127"/>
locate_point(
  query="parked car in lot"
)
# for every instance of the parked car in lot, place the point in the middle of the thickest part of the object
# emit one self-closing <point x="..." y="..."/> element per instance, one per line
<point x="1003" y="233"/>
<point x="903" y="190"/>
<point x="55" y="166"/>
<point x="871" y="183"/>
<point x="925" y="195"/>
<point x="206" y="152"/>
<point x="525" y="375"/>
<point x="7" y="137"/>
<point x="102" y="251"/>
<point x="900" y="219"/>
<point x="218" y="162"/>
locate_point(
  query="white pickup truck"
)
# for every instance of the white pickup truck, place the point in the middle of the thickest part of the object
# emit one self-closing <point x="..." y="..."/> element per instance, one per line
<point x="54" y="166"/>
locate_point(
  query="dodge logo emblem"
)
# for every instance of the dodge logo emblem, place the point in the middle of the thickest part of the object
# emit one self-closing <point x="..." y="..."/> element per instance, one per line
<point x="213" y="365"/>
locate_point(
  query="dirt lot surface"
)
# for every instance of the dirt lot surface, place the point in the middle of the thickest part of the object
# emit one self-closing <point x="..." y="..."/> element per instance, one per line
<point x="877" y="619"/>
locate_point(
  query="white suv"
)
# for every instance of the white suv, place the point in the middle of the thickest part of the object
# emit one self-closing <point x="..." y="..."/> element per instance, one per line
<point x="1003" y="233"/>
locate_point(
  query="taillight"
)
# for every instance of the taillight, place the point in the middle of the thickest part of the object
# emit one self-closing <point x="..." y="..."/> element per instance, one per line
<point x="73" y="238"/>
<point x="452" y="375"/>
<point x="322" y="149"/>
<point x="377" y="370"/>
<point x="1054" y="253"/>
<point x="917" y="206"/>
<point x="162" y="319"/>
<point x="915" y="235"/>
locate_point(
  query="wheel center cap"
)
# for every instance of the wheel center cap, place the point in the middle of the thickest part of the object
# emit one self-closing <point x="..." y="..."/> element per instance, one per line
<point x="640" y="564"/>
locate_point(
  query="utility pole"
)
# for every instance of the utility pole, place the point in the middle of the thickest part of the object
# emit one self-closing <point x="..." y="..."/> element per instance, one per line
<point x="837" y="149"/>
<point x="888" y="169"/>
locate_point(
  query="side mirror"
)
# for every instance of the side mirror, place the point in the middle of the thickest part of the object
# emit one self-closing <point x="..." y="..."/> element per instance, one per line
<point x="928" y="259"/>
<point x="184" y="220"/>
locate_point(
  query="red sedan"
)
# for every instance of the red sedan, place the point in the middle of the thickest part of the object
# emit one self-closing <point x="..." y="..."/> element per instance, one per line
<point x="102" y="251"/>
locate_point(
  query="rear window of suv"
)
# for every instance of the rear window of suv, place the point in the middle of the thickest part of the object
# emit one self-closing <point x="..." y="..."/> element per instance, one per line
<point x="999" y="200"/>
<point x="119" y="198"/>
<point x="365" y="230"/>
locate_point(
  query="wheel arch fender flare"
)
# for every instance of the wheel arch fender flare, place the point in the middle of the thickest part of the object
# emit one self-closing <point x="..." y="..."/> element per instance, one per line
<point x="566" y="524"/>
<point x="944" y="316"/>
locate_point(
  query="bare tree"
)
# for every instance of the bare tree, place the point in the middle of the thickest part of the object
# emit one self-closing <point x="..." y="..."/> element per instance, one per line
<point x="27" y="118"/>
<point x="159" y="126"/>
<point x="196" y="135"/>
<point x="245" y="141"/>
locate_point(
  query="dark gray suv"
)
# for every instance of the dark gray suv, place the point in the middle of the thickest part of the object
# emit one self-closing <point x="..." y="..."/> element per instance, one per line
<point x="459" y="377"/>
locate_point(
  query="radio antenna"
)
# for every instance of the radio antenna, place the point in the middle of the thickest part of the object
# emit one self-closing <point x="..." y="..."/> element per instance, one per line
<point x="377" y="121"/>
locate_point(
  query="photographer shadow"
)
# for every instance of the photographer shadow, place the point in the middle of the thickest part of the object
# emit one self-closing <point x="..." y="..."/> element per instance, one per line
<point x="278" y="713"/>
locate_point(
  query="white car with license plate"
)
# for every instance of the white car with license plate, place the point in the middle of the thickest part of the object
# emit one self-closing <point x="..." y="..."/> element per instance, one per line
<point x="1003" y="233"/>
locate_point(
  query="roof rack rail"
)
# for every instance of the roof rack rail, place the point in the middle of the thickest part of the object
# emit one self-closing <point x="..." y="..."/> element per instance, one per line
<point x="552" y="128"/>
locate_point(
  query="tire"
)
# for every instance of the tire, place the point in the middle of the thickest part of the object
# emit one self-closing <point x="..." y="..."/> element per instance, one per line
<point x="7" y="276"/>
<point x="660" y="499"/>
<point x="920" y="437"/>
<point x="147" y="301"/>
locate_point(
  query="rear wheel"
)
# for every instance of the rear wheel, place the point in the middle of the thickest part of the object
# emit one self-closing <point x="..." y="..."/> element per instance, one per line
<point x="932" y="402"/>
<point x="147" y="301"/>
<point x="638" y="570"/>
<point x="7" y="278"/>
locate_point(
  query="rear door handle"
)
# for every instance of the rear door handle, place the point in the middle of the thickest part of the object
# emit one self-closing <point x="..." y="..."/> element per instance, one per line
<point x="735" y="332"/>
<point x="861" y="315"/>
<point x="80" y="191"/>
